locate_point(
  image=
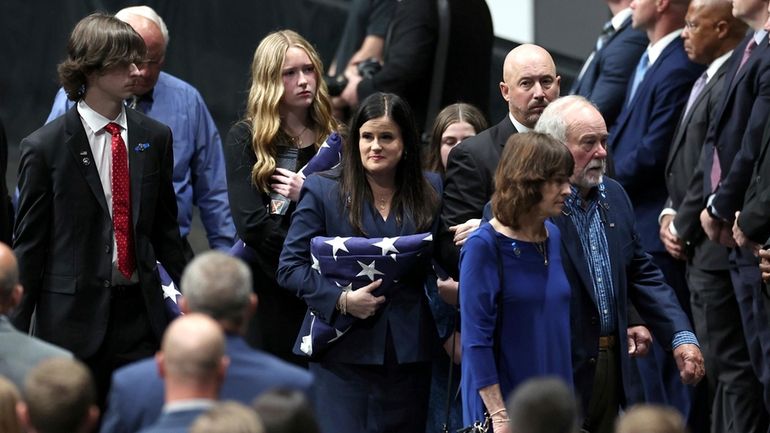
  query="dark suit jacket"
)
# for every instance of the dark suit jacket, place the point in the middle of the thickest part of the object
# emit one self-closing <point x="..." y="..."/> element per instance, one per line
<point x="640" y="139"/>
<point x="175" y="422"/>
<point x="405" y="317"/>
<point x="468" y="185"/>
<point x="605" y="80"/>
<point x="20" y="353"/>
<point x="744" y="113"/>
<point x="635" y="280"/>
<point x="136" y="395"/>
<point x="64" y="232"/>
<point x="6" y="208"/>
<point x="755" y="215"/>
<point x="684" y="175"/>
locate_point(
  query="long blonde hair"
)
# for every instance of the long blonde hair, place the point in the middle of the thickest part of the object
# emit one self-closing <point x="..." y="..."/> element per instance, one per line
<point x="265" y="98"/>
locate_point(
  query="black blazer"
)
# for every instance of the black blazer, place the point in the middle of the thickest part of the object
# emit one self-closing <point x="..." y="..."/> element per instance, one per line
<point x="684" y="174"/>
<point x="754" y="219"/>
<point x="606" y="78"/>
<point x="64" y="231"/>
<point x="468" y="185"/>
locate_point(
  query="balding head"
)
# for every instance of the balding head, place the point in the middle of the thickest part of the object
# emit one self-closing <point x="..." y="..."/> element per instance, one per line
<point x="529" y="83"/>
<point x="192" y="359"/>
<point x="153" y="30"/>
<point x="10" y="289"/>
<point x="711" y="30"/>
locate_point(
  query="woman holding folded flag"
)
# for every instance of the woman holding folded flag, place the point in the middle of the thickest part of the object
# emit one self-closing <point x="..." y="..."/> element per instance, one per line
<point x="358" y="252"/>
<point x="288" y="118"/>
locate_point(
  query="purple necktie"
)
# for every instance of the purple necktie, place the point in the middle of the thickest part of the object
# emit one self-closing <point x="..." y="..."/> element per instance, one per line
<point x="697" y="88"/>
<point x="746" y="54"/>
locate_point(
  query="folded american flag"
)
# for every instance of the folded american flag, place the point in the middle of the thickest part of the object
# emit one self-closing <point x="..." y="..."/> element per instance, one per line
<point x="327" y="157"/>
<point x="171" y="295"/>
<point x="351" y="263"/>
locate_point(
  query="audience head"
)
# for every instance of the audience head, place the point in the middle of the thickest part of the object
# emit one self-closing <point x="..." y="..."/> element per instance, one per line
<point x="577" y="123"/>
<point x="752" y="12"/>
<point x="285" y="77"/>
<point x="384" y="147"/>
<point x="543" y="405"/>
<point x="100" y="44"/>
<point x="285" y="411"/>
<point x="711" y="30"/>
<point x="10" y="288"/>
<point x="651" y="419"/>
<point x="9" y="398"/>
<point x="219" y="286"/>
<point x="228" y="417"/>
<point x="529" y="82"/>
<point x="532" y="178"/>
<point x="453" y="124"/>
<point x="667" y="15"/>
<point x="59" y="397"/>
<point x="192" y="359"/>
<point x="154" y="32"/>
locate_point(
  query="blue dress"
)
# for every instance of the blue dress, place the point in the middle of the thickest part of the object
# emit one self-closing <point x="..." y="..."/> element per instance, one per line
<point x="535" y="317"/>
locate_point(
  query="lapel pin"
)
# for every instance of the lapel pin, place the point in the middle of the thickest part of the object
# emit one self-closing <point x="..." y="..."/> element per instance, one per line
<point x="83" y="153"/>
<point x="141" y="147"/>
<point x="86" y="161"/>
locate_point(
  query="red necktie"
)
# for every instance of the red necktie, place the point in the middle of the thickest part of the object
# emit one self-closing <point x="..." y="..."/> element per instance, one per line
<point x="121" y="202"/>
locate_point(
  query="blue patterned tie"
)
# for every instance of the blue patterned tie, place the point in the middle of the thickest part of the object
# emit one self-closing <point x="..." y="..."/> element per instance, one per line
<point x="641" y="69"/>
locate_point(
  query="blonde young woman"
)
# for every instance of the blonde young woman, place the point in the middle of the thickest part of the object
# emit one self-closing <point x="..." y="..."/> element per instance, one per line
<point x="288" y="116"/>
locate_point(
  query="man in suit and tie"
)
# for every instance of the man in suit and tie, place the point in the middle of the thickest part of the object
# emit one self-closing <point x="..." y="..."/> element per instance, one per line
<point x="732" y="149"/>
<point x="604" y="77"/>
<point x="19" y="353"/>
<point x="607" y="269"/>
<point x="192" y="363"/>
<point x="710" y="35"/>
<point x="97" y="209"/>
<point x="218" y="286"/>
<point x="529" y="84"/>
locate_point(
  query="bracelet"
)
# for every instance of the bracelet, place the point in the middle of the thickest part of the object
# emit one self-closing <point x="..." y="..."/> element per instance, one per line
<point x="496" y="412"/>
<point x="345" y="303"/>
<point x="500" y="420"/>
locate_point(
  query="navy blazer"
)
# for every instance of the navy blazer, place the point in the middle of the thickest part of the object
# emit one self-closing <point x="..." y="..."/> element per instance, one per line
<point x="640" y="140"/>
<point x="605" y="80"/>
<point x="136" y="396"/>
<point x="635" y="280"/>
<point x="175" y="422"/>
<point x="744" y="113"/>
<point x="405" y="315"/>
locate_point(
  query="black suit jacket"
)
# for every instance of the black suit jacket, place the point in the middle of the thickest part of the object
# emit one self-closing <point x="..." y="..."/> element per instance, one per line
<point x="6" y="209"/>
<point x="737" y="132"/>
<point x="754" y="219"/>
<point x="605" y="79"/>
<point x="469" y="185"/>
<point x="64" y="232"/>
<point x="684" y="174"/>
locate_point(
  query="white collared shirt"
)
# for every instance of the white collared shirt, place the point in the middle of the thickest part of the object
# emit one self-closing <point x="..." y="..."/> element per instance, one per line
<point x="655" y="50"/>
<point x="620" y="18"/>
<point x="516" y="124"/>
<point x="100" y="142"/>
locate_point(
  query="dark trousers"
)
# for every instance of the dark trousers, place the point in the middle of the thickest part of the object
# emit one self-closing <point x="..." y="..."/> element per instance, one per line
<point x="605" y="395"/>
<point x="744" y="271"/>
<point x="735" y="394"/>
<point x="129" y="338"/>
<point x="389" y="398"/>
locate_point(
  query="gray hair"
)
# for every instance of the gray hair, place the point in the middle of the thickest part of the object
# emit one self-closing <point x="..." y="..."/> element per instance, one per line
<point x="553" y="120"/>
<point x="217" y="285"/>
<point x="543" y="405"/>
<point x="146" y="12"/>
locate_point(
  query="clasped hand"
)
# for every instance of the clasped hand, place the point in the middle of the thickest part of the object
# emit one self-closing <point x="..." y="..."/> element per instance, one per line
<point x="287" y="183"/>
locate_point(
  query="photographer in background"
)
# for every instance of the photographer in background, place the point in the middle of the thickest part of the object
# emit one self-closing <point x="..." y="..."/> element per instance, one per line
<point x="363" y="38"/>
<point x="407" y="61"/>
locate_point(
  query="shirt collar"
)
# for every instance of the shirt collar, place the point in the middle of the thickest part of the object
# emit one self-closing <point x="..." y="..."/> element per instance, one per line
<point x="516" y="124"/>
<point x="575" y="200"/>
<point x="620" y="18"/>
<point x="716" y="64"/>
<point x="95" y="121"/>
<point x="190" y="404"/>
<point x="655" y="50"/>
<point x="759" y="35"/>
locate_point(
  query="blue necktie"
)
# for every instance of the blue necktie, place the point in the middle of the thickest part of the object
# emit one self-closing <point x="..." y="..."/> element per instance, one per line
<point x="641" y="69"/>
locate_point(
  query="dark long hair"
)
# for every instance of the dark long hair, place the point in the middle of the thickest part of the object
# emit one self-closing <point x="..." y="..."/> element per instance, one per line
<point x="414" y="197"/>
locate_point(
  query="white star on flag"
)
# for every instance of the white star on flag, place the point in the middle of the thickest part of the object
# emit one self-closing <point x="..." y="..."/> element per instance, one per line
<point x="347" y="288"/>
<point x="368" y="270"/>
<point x="387" y="245"/>
<point x="428" y="238"/>
<point x="316" y="264"/>
<point x="170" y="291"/>
<point x="337" y="244"/>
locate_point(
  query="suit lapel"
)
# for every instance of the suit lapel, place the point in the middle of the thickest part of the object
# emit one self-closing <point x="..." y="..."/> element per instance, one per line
<point x="137" y="134"/>
<point x="77" y="143"/>
<point x="758" y="52"/>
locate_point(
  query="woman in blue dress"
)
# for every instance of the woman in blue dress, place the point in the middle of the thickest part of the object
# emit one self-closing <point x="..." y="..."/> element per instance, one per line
<point x="514" y="295"/>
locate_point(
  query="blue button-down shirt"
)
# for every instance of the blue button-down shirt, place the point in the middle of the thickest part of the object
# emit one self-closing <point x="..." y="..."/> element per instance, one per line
<point x="199" y="168"/>
<point x="586" y="216"/>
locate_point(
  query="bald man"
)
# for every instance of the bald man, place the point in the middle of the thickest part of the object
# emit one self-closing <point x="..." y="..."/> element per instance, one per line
<point x="529" y="84"/>
<point x="199" y="171"/>
<point x="192" y="363"/>
<point x="19" y="352"/>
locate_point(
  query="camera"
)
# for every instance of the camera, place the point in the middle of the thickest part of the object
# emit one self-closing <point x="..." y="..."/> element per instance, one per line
<point x="366" y="69"/>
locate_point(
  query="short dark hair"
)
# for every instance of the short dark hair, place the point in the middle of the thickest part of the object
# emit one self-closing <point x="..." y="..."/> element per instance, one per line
<point x="97" y="43"/>
<point x="59" y="393"/>
<point x="285" y="411"/>
<point x="529" y="160"/>
<point x="543" y="405"/>
<point x="458" y="112"/>
<point x="414" y="196"/>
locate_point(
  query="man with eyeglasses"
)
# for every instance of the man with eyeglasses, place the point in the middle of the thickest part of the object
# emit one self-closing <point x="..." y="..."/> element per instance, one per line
<point x="199" y="172"/>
